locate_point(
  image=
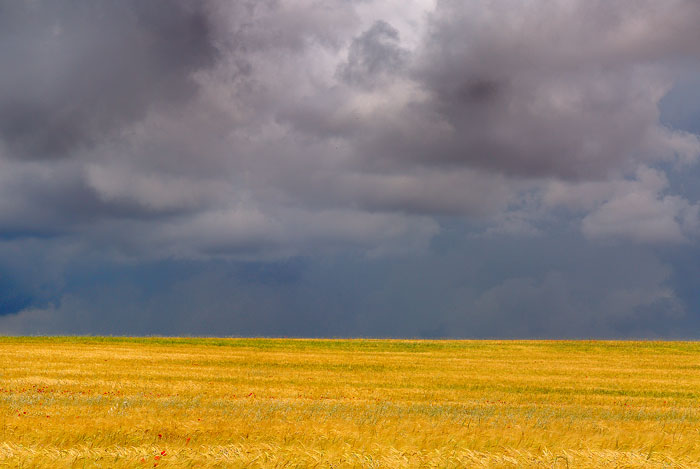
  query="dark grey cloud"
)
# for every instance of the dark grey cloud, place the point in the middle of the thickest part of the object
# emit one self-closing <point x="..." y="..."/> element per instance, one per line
<point x="574" y="97"/>
<point x="490" y="288"/>
<point x="373" y="55"/>
<point x="354" y="135"/>
<point x="215" y="127"/>
<point x="76" y="72"/>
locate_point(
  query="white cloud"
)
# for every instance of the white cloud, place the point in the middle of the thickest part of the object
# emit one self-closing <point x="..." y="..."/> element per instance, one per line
<point x="639" y="210"/>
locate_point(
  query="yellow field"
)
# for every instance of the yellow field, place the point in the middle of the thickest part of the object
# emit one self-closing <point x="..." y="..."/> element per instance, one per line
<point x="337" y="403"/>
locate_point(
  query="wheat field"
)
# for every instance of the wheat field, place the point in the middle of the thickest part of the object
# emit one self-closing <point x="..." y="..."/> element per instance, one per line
<point x="154" y="402"/>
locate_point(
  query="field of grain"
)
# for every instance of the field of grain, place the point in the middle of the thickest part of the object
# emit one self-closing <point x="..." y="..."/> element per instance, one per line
<point x="111" y="402"/>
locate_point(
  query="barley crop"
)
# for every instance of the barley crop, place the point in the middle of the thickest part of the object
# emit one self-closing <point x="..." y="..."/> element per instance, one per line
<point x="258" y="403"/>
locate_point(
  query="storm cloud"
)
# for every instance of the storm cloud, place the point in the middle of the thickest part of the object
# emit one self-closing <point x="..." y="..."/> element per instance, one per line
<point x="76" y="71"/>
<point x="260" y="133"/>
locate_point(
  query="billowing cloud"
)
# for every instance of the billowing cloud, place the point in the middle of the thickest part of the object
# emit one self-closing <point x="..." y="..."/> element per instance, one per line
<point x="640" y="211"/>
<point x="260" y="131"/>
<point x="176" y="116"/>
<point x="373" y="55"/>
<point x="638" y="208"/>
<point x="74" y="72"/>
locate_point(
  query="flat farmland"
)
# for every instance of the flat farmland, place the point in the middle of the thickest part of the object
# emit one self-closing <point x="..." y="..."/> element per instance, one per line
<point x="145" y="402"/>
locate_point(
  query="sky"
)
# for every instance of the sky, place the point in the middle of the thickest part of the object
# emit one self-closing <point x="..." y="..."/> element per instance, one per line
<point x="350" y="168"/>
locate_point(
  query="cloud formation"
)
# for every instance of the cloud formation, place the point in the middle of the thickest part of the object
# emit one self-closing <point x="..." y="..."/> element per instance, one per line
<point x="537" y="288"/>
<point x="77" y="71"/>
<point x="573" y="96"/>
<point x="254" y="115"/>
<point x="259" y="131"/>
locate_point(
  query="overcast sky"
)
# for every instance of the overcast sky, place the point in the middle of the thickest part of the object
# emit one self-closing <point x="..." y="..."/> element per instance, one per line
<point x="393" y="168"/>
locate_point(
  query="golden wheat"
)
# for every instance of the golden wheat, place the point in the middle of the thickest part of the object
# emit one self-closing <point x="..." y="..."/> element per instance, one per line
<point x="98" y="402"/>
